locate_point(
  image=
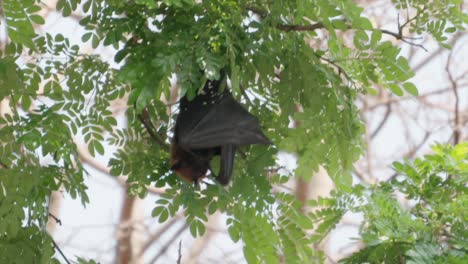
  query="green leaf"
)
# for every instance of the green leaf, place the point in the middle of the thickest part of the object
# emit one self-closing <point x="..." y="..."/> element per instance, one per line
<point x="86" y="36"/>
<point x="410" y="88"/>
<point x="363" y="23"/>
<point x="375" y="37"/>
<point x="395" y="89"/>
<point x="86" y="6"/>
<point x="193" y="228"/>
<point x="450" y="30"/>
<point x="94" y="41"/>
<point x="99" y="148"/>
<point x="59" y="38"/>
<point x="339" y="24"/>
<point x="120" y="55"/>
<point x="26" y="102"/>
<point x="91" y="147"/>
<point x="163" y="216"/>
<point x="157" y="211"/>
<point x="33" y="9"/>
<point x="37" y="19"/>
<point x="234" y="233"/>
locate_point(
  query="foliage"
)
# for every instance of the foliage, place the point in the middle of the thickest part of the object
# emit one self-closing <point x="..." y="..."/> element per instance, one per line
<point x="432" y="228"/>
<point x="58" y="94"/>
<point x="437" y="17"/>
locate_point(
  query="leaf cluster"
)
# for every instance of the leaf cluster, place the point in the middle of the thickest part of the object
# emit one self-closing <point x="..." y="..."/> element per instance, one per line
<point x="279" y="66"/>
<point x="439" y="18"/>
<point x="432" y="227"/>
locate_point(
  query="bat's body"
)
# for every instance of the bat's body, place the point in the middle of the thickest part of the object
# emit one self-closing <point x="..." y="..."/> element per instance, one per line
<point x="213" y="123"/>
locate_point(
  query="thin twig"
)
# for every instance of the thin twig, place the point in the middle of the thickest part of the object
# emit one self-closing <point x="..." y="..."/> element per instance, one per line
<point x="433" y="55"/>
<point x="179" y="259"/>
<point x="168" y="244"/>
<point x="367" y="140"/>
<point x="146" y="121"/>
<point x="59" y="250"/>
<point x="457" y="125"/>
<point x="399" y="99"/>
<point x="340" y="69"/>
<point x="412" y="152"/>
<point x="157" y="235"/>
<point x="330" y="259"/>
<point x="295" y="27"/>
<point x="382" y="123"/>
<point x="57" y="220"/>
<point x="288" y="28"/>
<point x="359" y="174"/>
<point x="400" y="36"/>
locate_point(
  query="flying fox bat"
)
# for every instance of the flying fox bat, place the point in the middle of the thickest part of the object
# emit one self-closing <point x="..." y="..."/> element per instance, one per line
<point x="213" y="123"/>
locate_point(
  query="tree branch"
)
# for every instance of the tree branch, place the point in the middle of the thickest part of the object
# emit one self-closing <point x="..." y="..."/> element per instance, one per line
<point x="56" y="219"/>
<point x="169" y="243"/>
<point x="457" y="125"/>
<point x="340" y="69"/>
<point x="179" y="259"/>
<point x="146" y="121"/>
<point x="125" y="248"/>
<point x="59" y="250"/>
<point x="85" y="157"/>
<point x="425" y="61"/>
<point x="288" y="28"/>
<point x="399" y="36"/>
<point x="295" y="27"/>
<point x="399" y="99"/>
<point x="383" y="121"/>
<point x="157" y="235"/>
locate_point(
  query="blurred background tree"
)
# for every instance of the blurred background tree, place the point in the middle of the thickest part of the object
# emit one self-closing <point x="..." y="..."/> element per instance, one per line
<point x="333" y="83"/>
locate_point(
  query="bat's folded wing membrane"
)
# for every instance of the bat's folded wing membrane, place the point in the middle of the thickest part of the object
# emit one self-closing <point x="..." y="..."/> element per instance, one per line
<point x="226" y="123"/>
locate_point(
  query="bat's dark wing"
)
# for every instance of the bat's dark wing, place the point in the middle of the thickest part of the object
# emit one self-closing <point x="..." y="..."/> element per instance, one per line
<point x="228" y="153"/>
<point x="225" y="122"/>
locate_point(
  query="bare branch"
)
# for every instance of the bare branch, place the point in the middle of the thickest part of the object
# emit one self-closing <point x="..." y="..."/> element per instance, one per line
<point x="457" y="125"/>
<point x="179" y="259"/>
<point x="85" y="157"/>
<point x="169" y="243"/>
<point x="399" y="34"/>
<point x="400" y="99"/>
<point x="383" y="121"/>
<point x="288" y="28"/>
<point x="56" y="219"/>
<point x="340" y="69"/>
<point x="430" y="57"/>
<point x="59" y="250"/>
<point x="146" y="121"/>
<point x="295" y="27"/>
<point x="124" y="249"/>
<point x="157" y="235"/>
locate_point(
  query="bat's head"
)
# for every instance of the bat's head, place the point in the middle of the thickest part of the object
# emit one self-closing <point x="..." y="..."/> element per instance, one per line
<point x="189" y="172"/>
<point x="188" y="166"/>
